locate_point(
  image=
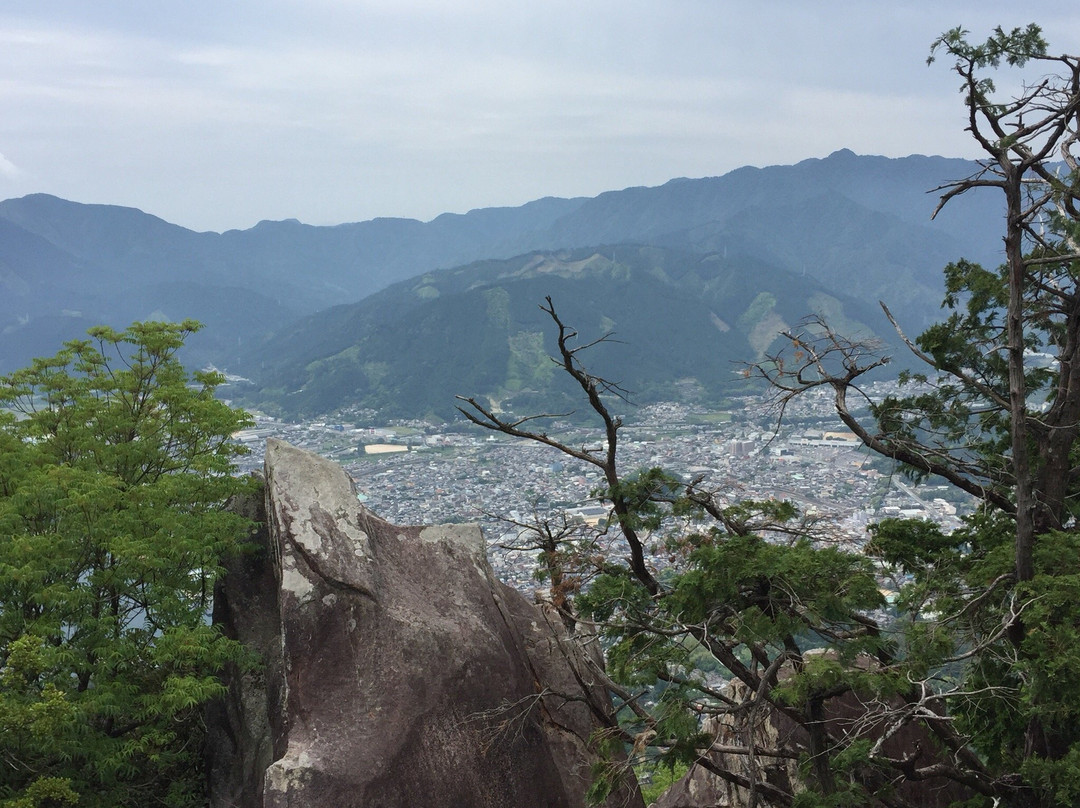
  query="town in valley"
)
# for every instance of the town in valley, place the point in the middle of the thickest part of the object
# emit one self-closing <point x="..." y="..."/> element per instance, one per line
<point x="416" y="472"/>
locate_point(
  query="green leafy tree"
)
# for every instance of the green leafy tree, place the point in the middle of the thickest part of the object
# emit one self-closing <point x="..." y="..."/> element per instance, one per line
<point x="114" y="468"/>
<point x="963" y="693"/>
<point x="997" y="414"/>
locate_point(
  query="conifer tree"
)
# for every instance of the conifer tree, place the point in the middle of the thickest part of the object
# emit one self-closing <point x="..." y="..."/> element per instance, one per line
<point x="963" y="691"/>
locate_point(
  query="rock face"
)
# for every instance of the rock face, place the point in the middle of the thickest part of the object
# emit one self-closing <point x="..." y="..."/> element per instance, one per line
<point x="398" y="671"/>
<point x="700" y="788"/>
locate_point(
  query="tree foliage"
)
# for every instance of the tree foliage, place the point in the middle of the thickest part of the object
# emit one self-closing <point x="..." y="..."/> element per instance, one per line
<point x="725" y="598"/>
<point x="997" y="413"/>
<point x="962" y="691"/>
<point x="114" y="467"/>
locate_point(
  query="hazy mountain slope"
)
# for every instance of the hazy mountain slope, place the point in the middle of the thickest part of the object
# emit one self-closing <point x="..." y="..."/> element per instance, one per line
<point x="49" y="295"/>
<point x="46" y="296"/>
<point x="122" y="240"/>
<point x="859" y="225"/>
<point x="842" y="244"/>
<point x="680" y="320"/>
<point x="313" y="266"/>
<point x="897" y="187"/>
<point x="116" y="264"/>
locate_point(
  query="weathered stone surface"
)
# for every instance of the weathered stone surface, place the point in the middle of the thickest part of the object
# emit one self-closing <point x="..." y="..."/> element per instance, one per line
<point x="763" y="728"/>
<point x="411" y="677"/>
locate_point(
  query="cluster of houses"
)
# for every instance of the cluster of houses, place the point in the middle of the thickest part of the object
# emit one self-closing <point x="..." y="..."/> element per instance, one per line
<point x="418" y="473"/>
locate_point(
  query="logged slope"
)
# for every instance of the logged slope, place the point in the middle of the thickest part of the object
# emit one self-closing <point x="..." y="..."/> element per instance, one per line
<point x="845" y="246"/>
<point x="859" y="224"/>
<point x="681" y="321"/>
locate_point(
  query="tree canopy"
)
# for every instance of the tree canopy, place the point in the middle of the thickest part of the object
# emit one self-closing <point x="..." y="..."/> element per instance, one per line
<point x="115" y="464"/>
<point x="960" y="692"/>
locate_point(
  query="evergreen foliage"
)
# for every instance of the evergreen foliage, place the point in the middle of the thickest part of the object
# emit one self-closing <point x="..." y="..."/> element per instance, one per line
<point x="114" y="468"/>
<point x="962" y="692"/>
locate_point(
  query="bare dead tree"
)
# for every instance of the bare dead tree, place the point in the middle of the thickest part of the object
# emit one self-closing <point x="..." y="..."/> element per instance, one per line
<point x="568" y="554"/>
<point x="984" y="418"/>
<point x="604" y="458"/>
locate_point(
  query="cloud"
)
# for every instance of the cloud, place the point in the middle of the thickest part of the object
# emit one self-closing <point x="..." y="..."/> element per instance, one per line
<point x="8" y="168"/>
<point x="216" y="115"/>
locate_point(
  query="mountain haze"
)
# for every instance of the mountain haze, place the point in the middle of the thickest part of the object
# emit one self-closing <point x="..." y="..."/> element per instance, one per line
<point x="125" y="265"/>
<point x="857" y="226"/>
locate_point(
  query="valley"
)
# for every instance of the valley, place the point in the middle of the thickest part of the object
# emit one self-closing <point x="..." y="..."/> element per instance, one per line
<point x="400" y="315"/>
<point x="455" y="472"/>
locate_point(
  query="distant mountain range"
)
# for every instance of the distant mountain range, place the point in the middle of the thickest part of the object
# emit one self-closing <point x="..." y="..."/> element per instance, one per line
<point x="661" y="265"/>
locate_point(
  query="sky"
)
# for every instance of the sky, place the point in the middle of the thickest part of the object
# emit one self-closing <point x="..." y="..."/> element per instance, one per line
<point x="216" y="114"/>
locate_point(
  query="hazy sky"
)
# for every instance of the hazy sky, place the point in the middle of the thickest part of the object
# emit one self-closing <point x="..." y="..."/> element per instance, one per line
<point x="215" y="114"/>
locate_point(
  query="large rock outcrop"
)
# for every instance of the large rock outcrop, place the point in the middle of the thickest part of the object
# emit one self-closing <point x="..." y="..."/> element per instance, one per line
<point x="397" y="671"/>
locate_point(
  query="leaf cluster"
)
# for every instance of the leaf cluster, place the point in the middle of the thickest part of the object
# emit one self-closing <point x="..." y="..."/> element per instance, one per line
<point x="113" y="479"/>
<point x="726" y="612"/>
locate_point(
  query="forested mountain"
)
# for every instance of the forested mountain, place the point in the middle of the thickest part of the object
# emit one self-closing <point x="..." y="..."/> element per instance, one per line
<point x="858" y="226"/>
<point x="680" y="321"/>
<point x="121" y="264"/>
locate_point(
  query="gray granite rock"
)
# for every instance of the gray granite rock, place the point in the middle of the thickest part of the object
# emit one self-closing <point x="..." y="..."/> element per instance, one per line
<point x="241" y="743"/>
<point x="407" y="674"/>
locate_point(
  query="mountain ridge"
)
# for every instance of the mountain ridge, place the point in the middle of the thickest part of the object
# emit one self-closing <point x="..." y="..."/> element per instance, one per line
<point x="857" y="224"/>
<point x="408" y="350"/>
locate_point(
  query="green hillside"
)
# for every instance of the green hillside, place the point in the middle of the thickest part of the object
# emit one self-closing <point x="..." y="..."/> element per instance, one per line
<point x="680" y="322"/>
